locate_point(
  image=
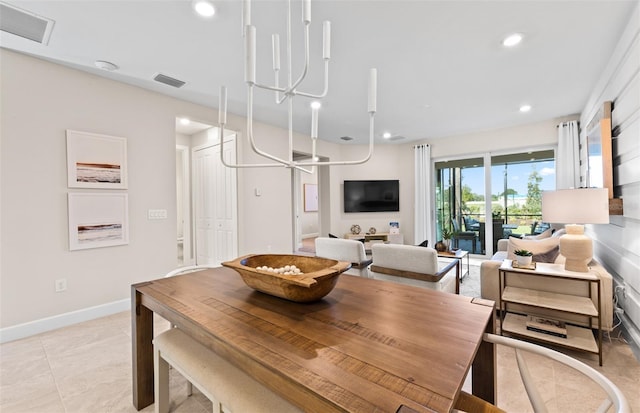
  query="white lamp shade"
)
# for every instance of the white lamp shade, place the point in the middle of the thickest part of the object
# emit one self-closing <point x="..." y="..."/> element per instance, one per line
<point x="576" y="206"/>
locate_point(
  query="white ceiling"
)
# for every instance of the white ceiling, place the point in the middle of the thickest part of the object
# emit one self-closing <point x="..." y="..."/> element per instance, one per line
<point x="442" y="69"/>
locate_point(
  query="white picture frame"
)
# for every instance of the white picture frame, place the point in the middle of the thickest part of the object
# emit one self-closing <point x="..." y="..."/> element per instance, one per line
<point x="98" y="220"/>
<point x="96" y="161"/>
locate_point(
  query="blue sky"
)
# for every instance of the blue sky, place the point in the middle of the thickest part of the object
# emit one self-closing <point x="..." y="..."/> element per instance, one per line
<point x="517" y="177"/>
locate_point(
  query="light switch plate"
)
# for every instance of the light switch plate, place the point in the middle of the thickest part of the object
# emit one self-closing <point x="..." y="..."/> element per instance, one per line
<point x="157" y="214"/>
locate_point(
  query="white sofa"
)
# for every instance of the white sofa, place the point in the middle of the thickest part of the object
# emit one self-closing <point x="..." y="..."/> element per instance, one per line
<point x="417" y="266"/>
<point x="489" y="279"/>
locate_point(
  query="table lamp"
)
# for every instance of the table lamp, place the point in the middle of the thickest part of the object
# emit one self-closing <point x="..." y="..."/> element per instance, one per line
<point x="577" y="206"/>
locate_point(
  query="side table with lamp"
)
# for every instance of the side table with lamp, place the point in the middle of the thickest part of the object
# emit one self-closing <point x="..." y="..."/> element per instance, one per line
<point x="575" y="207"/>
<point x="582" y="206"/>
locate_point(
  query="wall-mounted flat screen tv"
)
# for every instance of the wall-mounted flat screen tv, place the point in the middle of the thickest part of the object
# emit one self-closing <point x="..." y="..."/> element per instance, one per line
<point x="372" y="196"/>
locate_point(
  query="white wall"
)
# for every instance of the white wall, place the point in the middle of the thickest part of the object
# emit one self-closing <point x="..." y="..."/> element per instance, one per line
<point x="387" y="162"/>
<point x="617" y="245"/>
<point x="40" y="100"/>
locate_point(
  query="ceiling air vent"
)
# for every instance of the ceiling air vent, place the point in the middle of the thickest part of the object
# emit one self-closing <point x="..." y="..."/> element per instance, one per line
<point x="395" y="138"/>
<point x="168" y="80"/>
<point x="346" y="138"/>
<point x="25" y="24"/>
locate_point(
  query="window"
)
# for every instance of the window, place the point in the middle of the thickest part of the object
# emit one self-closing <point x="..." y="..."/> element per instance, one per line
<point x="517" y="182"/>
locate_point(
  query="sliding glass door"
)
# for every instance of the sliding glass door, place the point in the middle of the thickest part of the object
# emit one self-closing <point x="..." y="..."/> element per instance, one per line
<point x="517" y="182"/>
<point x="460" y="201"/>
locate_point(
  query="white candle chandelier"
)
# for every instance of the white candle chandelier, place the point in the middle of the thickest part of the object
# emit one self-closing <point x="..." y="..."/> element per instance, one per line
<point x="289" y="92"/>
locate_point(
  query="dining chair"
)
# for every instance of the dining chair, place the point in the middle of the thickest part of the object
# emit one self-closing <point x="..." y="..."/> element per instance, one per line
<point x="185" y="270"/>
<point x="613" y="395"/>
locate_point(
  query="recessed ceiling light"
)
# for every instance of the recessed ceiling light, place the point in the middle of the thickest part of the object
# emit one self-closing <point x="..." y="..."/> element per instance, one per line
<point x="386" y="135"/>
<point x="512" y="40"/>
<point x="525" y="108"/>
<point x="315" y="104"/>
<point x="104" y="65"/>
<point x="204" y="8"/>
<point x="184" y="121"/>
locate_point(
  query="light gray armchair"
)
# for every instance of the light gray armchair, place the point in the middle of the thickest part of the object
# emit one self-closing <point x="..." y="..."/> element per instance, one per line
<point x="413" y="265"/>
<point x="348" y="250"/>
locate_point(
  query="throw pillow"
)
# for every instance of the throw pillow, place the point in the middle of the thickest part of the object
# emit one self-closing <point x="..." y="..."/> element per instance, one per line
<point x="544" y="250"/>
<point x="545" y="234"/>
<point x="549" y="256"/>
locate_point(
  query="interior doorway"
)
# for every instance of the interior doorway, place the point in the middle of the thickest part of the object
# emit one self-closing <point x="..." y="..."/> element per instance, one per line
<point x="310" y="192"/>
<point x="215" y="202"/>
<point x="206" y="195"/>
<point x="183" y="205"/>
<point x="305" y="206"/>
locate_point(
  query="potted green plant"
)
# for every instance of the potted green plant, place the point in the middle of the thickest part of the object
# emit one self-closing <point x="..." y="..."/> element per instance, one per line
<point x="446" y="238"/>
<point x="523" y="257"/>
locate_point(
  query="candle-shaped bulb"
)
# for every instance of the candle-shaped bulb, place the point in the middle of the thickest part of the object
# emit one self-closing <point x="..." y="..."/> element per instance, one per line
<point x="326" y="40"/>
<point x="314" y="122"/>
<point x="246" y="14"/>
<point x="306" y="11"/>
<point x="222" y="106"/>
<point x="373" y="89"/>
<point x="250" y="55"/>
<point x="275" y="41"/>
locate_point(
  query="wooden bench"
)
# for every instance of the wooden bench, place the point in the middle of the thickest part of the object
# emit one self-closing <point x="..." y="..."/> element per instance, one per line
<point x="230" y="389"/>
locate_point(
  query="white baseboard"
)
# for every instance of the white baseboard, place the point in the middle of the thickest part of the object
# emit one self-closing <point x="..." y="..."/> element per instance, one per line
<point x="62" y="320"/>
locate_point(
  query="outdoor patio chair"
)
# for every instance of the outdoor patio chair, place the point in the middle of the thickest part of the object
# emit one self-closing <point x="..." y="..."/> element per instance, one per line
<point x="463" y="235"/>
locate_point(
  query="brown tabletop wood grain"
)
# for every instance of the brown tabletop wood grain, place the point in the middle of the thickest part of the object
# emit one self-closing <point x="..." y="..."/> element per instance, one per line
<point x="368" y="346"/>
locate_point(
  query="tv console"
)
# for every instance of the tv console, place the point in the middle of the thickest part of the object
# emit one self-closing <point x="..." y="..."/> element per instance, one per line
<point x="378" y="236"/>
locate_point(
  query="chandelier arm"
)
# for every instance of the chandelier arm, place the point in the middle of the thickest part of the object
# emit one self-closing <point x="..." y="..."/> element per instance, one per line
<point x="326" y="85"/>
<point x="253" y="165"/>
<point x="291" y="90"/>
<point x="277" y="85"/>
<point x="222" y="121"/>
<point x="355" y="162"/>
<point x="290" y="127"/>
<point x="281" y="162"/>
<point x="273" y="88"/>
<point x="305" y="69"/>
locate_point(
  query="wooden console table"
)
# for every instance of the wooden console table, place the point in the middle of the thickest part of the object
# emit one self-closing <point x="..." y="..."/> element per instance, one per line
<point x="378" y="236"/>
<point x="579" y="338"/>
<point x="368" y="346"/>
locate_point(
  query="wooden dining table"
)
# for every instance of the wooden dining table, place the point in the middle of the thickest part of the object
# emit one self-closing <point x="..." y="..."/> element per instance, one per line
<point x="368" y="346"/>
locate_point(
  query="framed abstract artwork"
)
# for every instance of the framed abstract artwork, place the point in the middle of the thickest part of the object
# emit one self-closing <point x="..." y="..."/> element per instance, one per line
<point x="96" y="161"/>
<point x="98" y="220"/>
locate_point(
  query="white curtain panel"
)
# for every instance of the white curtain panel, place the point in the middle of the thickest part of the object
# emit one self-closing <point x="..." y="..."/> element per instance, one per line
<point x="422" y="207"/>
<point x="568" y="156"/>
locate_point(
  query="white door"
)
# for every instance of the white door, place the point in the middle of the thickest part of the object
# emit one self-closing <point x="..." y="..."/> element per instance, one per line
<point x="215" y="192"/>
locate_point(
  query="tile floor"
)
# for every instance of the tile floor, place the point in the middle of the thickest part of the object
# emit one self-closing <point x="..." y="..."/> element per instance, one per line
<point x="86" y="368"/>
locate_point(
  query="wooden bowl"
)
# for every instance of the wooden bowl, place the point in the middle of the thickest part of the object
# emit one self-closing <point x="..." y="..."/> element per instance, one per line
<point x="319" y="276"/>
